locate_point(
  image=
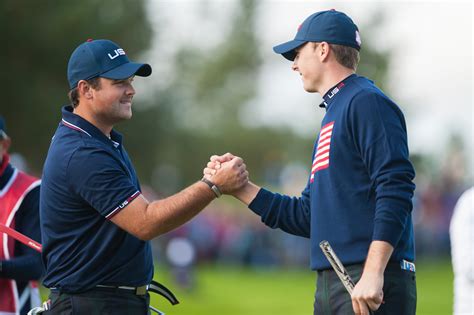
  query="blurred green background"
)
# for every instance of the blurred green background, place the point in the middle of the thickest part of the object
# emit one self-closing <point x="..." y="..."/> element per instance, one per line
<point x="209" y="60"/>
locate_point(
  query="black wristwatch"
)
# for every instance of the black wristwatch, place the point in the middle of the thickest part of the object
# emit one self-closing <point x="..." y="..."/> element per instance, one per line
<point x="213" y="187"/>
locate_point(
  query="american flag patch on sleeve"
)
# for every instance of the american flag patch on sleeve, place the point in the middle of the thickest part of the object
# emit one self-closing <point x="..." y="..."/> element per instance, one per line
<point x="321" y="157"/>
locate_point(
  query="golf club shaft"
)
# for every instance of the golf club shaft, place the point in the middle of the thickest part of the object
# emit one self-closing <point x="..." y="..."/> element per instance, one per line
<point x="20" y="237"/>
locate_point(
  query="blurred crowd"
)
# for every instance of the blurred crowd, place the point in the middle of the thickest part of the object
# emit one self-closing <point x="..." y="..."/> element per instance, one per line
<point x="225" y="234"/>
<point x="436" y="195"/>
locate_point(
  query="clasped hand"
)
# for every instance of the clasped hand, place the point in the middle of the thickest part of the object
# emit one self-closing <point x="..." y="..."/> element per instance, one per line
<point x="228" y="172"/>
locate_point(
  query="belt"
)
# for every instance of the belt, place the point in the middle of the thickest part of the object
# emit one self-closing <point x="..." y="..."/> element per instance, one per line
<point x="142" y="290"/>
<point x="391" y="265"/>
<point x="154" y="287"/>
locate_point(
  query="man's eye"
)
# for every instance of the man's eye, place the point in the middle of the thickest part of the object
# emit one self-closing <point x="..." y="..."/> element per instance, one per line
<point x="127" y="81"/>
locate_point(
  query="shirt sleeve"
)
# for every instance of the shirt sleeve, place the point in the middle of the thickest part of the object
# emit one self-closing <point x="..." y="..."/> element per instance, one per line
<point x="26" y="263"/>
<point x="379" y="133"/>
<point x="102" y="180"/>
<point x="290" y="214"/>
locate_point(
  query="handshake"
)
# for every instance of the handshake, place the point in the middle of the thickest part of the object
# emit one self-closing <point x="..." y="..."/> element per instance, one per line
<point x="228" y="172"/>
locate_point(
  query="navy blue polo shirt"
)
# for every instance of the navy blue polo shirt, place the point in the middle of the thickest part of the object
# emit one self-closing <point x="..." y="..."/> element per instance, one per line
<point x="87" y="179"/>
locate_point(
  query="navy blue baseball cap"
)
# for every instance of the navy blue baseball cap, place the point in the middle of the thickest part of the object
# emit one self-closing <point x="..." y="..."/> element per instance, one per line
<point x="329" y="26"/>
<point x="102" y="58"/>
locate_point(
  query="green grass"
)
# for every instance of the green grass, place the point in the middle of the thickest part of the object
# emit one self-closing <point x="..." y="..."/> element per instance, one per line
<point x="240" y="291"/>
<point x="232" y="291"/>
<point x="435" y="287"/>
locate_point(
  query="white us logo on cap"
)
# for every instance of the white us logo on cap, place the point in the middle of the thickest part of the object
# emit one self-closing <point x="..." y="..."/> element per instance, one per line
<point x="358" y="40"/>
<point x="117" y="53"/>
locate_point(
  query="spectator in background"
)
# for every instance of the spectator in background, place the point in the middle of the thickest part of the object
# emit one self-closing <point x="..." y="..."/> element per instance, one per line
<point x="462" y="249"/>
<point x="20" y="266"/>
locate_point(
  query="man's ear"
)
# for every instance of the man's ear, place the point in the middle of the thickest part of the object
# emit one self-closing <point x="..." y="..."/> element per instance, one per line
<point x="84" y="89"/>
<point x="324" y="49"/>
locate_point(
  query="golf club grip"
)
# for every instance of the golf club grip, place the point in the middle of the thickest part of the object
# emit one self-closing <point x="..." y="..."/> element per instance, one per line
<point x="338" y="268"/>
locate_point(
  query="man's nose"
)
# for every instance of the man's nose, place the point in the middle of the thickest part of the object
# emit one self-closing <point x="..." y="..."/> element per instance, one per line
<point x="294" y="66"/>
<point x="130" y="90"/>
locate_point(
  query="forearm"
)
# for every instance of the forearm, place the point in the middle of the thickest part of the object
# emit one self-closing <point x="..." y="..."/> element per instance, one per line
<point x="247" y="193"/>
<point x="148" y="220"/>
<point x="23" y="268"/>
<point x="378" y="257"/>
<point x="169" y="213"/>
<point x="290" y="214"/>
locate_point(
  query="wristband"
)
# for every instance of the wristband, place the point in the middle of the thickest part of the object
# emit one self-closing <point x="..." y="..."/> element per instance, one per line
<point x="213" y="187"/>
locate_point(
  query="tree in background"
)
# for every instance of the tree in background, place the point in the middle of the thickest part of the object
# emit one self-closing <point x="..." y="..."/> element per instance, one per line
<point x="374" y="64"/>
<point x="38" y="38"/>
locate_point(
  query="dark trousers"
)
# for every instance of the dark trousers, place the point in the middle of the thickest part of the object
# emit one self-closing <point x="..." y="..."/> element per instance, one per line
<point x="99" y="302"/>
<point x="399" y="291"/>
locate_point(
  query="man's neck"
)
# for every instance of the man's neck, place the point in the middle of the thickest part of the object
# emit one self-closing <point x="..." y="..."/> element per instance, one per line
<point x="102" y="126"/>
<point x="335" y="76"/>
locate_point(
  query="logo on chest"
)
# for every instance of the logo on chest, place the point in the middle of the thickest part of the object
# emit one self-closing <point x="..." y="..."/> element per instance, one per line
<point x="321" y="157"/>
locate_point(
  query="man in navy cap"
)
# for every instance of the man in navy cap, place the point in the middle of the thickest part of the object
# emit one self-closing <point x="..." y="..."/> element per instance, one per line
<point x="96" y="224"/>
<point x="359" y="190"/>
<point x="20" y="266"/>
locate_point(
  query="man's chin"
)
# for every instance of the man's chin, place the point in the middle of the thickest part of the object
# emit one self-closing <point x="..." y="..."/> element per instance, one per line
<point x="310" y="89"/>
<point x="127" y="113"/>
<point x="124" y="116"/>
<point x="128" y="116"/>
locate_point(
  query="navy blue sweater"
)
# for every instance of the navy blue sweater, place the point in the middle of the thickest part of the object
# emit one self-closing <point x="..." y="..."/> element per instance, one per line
<point x="360" y="187"/>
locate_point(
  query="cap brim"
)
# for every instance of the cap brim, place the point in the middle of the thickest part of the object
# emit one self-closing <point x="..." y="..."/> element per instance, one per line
<point x="288" y="49"/>
<point x="127" y="70"/>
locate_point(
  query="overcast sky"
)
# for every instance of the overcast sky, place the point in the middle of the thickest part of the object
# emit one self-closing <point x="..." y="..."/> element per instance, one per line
<point x="430" y="74"/>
